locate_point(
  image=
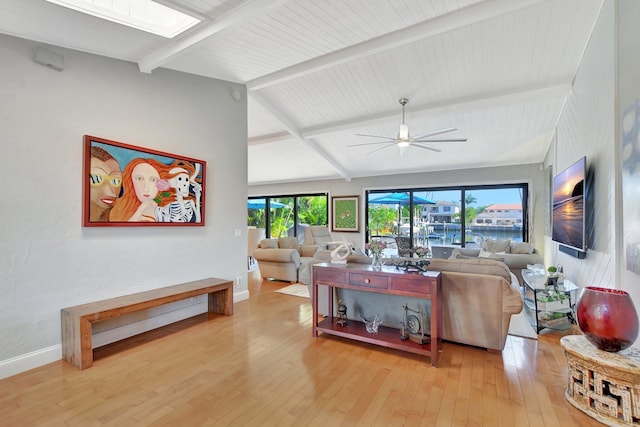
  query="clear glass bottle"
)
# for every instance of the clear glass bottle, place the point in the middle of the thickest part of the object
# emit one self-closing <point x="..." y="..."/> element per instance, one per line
<point x="560" y="274"/>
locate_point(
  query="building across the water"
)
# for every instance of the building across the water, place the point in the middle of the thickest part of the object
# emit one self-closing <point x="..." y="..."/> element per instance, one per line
<point x="505" y="215"/>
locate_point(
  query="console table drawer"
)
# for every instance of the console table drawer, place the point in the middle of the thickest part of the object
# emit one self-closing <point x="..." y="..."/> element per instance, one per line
<point x="369" y="281"/>
<point x="331" y="276"/>
<point x="410" y="285"/>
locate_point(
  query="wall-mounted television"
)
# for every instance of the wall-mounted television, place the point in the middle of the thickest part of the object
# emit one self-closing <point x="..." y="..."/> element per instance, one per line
<point x="568" y="218"/>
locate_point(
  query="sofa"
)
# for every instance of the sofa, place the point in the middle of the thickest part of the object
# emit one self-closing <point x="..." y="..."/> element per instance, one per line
<point x="516" y="255"/>
<point x="282" y="258"/>
<point x="479" y="296"/>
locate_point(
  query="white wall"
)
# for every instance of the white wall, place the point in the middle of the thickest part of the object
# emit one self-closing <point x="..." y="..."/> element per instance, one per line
<point x="586" y="128"/>
<point x="47" y="259"/>
<point x="628" y="15"/>
<point x="530" y="174"/>
<point x="606" y="82"/>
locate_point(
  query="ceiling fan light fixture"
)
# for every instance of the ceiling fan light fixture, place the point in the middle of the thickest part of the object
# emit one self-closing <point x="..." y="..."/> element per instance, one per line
<point x="404" y="138"/>
<point x="403" y="134"/>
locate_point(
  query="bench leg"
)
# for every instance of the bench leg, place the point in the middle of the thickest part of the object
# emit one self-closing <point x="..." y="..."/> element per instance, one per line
<point x="85" y="344"/>
<point x="76" y="341"/>
<point x="221" y="302"/>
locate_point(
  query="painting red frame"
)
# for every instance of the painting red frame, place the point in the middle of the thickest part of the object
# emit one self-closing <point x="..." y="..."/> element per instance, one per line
<point x="125" y="185"/>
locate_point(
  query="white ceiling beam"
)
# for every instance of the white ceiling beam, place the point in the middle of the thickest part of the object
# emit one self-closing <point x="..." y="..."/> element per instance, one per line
<point x="456" y="106"/>
<point x="442" y="24"/>
<point x="241" y="14"/>
<point x="294" y="132"/>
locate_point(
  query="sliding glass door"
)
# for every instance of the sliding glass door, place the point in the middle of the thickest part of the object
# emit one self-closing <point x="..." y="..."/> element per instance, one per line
<point x="464" y="216"/>
<point x="289" y="215"/>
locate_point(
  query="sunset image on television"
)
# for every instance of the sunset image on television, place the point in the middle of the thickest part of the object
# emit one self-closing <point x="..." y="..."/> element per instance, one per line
<point x="568" y="206"/>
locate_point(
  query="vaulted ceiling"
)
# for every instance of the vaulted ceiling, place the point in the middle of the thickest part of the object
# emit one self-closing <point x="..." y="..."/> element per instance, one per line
<point x="319" y="72"/>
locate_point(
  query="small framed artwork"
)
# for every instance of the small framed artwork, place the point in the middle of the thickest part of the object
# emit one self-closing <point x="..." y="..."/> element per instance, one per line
<point x="344" y="214"/>
<point x="125" y="185"/>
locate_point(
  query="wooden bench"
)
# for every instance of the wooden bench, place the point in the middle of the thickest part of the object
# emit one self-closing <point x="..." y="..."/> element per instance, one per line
<point x="77" y="321"/>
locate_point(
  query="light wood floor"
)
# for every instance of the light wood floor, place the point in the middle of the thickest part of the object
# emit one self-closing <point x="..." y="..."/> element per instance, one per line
<point x="262" y="367"/>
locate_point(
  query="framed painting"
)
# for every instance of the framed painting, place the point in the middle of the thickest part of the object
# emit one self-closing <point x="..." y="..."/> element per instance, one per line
<point x="344" y="214"/>
<point x="125" y="185"/>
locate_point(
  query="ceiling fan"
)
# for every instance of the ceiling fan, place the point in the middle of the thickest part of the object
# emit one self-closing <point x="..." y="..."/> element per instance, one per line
<point x="404" y="139"/>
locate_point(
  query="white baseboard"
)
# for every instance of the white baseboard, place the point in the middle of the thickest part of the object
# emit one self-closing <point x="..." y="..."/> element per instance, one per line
<point x="240" y="296"/>
<point x="25" y="362"/>
<point x="28" y="361"/>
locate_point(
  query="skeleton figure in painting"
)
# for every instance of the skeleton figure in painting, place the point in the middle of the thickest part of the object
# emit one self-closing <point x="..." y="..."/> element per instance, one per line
<point x="184" y="208"/>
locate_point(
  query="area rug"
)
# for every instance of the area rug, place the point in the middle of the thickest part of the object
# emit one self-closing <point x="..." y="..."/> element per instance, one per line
<point x="520" y="326"/>
<point x="297" y="289"/>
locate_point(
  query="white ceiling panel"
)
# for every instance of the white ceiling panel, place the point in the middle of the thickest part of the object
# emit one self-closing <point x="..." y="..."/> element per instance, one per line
<point x="279" y="161"/>
<point x="319" y="72"/>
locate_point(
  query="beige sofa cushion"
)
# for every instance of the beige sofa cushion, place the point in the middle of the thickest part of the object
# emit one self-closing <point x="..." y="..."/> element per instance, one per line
<point x="308" y="251"/>
<point x="288" y="243"/>
<point x="269" y="244"/>
<point x="317" y="235"/>
<point x="522" y="248"/>
<point x="278" y="255"/>
<point x="491" y="255"/>
<point x="496" y="246"/>
<point x="472" y="265"/>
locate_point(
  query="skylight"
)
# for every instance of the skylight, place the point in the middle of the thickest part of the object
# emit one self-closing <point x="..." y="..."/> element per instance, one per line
<point x="144" y="15"/>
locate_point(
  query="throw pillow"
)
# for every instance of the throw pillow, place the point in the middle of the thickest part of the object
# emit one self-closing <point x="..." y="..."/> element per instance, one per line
<point x="269" y="244"/>
<point x="495" y="246"/>
<point x="522" y="248"/>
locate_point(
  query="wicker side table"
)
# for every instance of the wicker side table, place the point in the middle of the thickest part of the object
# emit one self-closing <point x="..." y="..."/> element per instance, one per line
<point x="605" y="386"/>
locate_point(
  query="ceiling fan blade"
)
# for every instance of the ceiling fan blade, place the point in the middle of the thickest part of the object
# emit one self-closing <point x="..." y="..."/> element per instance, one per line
<point x="434" y="133"/>
<point x="441" y="140"/>
<point x="376" y="136"/>
<point x="371" y="143"/>
<point x="424" y="147"/>
<point x="380" y="149"/>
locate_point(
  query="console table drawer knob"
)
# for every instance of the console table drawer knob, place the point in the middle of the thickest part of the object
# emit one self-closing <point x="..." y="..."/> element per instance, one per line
<point x="367" y="280"/>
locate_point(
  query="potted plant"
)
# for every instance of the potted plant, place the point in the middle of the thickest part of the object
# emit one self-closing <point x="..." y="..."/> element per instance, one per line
<point x="553" y="276"/>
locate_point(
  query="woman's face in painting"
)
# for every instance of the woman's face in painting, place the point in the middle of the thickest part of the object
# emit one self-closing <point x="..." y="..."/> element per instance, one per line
<point x="106" y="180"/>
<point x="144" y="178"/>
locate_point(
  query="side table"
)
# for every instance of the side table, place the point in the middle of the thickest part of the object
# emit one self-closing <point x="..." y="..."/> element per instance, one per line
<point x="553" y="315"/>
<point x="605" y="386"/>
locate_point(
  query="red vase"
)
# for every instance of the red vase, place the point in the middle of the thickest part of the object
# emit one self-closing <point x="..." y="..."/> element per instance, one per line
<point x="607" y="318"/>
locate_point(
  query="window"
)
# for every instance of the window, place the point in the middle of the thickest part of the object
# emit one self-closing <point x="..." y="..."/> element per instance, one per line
<point x="464" y="216"/>
<point x="145" y="15"/>
<point x="283" y="216"/>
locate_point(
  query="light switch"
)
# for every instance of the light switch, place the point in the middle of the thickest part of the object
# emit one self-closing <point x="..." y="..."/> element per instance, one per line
<point x="238" y="232"/>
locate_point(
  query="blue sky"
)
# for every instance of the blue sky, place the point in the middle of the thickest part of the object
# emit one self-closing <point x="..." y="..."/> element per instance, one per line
<point x="483" y="197"/>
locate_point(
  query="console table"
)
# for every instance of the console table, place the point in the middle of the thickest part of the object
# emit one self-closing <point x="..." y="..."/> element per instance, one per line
<point x="389" y="281"/>
<point x="605" y="386"/>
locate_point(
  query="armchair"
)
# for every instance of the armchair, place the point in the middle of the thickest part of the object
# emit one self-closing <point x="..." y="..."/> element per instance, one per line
<point x="254" y="236"/>
<point x="318" y="235"/>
